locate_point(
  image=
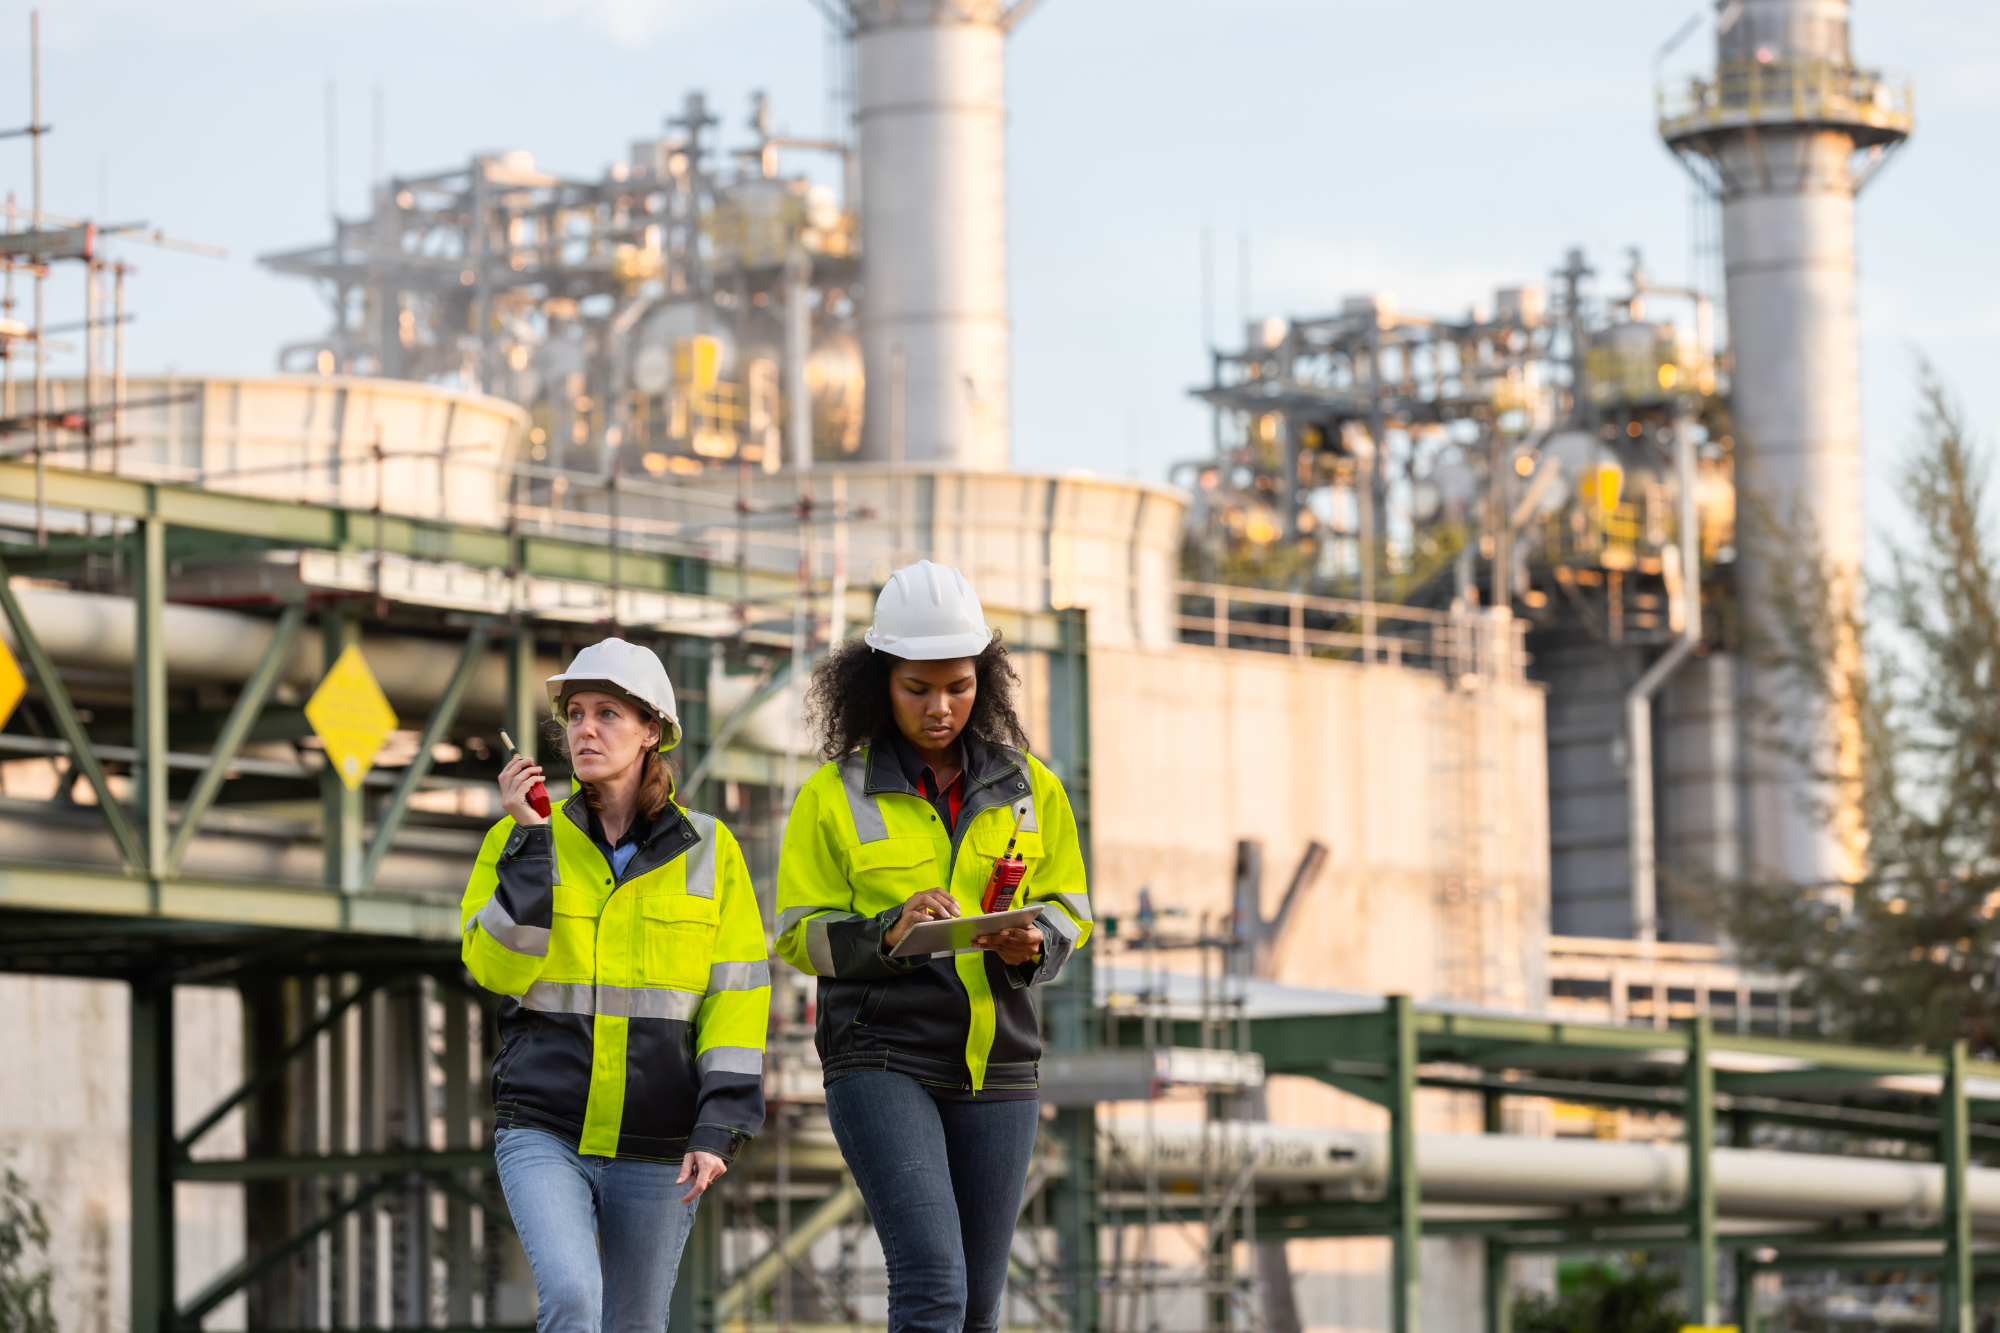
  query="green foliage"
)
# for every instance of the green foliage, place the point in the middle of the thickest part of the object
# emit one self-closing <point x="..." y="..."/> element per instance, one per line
<point x="1604" y="1298"/>
<point x="25" y="1277"/>
<point x="1906" y="955"/>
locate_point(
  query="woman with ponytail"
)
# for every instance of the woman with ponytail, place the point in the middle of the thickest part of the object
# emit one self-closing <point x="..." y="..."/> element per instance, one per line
<point x="624" y="933"/>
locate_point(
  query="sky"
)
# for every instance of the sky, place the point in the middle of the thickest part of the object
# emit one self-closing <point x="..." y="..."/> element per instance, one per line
<point x="1437" y="149"/>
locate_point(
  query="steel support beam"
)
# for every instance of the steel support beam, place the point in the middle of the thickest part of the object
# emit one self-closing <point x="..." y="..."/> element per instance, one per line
<point x="332" y="528"/>
<point x="241" y="1276"/>
<point x="1405" y="1186"/>
<point x="1699" y="1119"/>
<point x="149" y="691"/>
<point x="1745" y="1303"/>
<point x="526" y="697"/>
<point x="769" y="1268"/>
<point x="443" y="714"/>
<point x="273" y="1069"/>
<point x="340" y="806"/>
<point x="1076" y="1210"/>
<point x="458" y="1084"/>
<point x="692" y="1309"/>
<point x="1954" y="1152"/>
<point x="1499" y="1290"/>
<point x="152" y="1154"/>
<point x="82" y="754"/>
<point x="235" y="730"/>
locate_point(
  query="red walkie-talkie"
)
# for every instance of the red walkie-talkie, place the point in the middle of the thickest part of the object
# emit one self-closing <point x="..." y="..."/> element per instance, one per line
<point x="1007" y="871"/>
<point x="538" y="795"/>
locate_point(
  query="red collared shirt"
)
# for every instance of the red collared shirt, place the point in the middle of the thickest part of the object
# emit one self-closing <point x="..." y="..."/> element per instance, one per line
<point x="920" y="776"/>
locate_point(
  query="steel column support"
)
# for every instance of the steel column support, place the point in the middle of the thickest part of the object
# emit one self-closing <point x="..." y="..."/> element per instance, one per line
<point x="1954" y="1151"/>
<point x="1069" y="719"/>
<point x="692" y="1308"/>
<point x="1070" y="999"/>
<point x="340" y="807"/>
<point x="152" y="1152"/>
<point x="242" y="717"/>
<point x="1077" y="1208"/>
<point x="1499" y="1289"/>
<point x="1699" y="1080"/>
<point x="81" y="753"/>
<point x="526" y="699"/>
<point x="149" y="692"/>
<point x="443" y="714"/>
<point x="458" y="1080"/>
<point x="274" y="1068"/>
<point x="1745" y="1302"/>
<point x="1405" y="1186"/>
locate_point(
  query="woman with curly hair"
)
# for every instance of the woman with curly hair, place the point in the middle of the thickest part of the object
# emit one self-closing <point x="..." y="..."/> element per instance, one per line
<point x="929" y="1059"/>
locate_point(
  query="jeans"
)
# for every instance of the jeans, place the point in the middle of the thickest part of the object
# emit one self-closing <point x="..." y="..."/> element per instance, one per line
<point x="603" y="1234"/>
<point x="943" y="1183"/>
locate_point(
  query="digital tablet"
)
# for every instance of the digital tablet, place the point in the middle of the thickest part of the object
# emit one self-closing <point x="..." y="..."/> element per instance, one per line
<point x="956" y="934"/>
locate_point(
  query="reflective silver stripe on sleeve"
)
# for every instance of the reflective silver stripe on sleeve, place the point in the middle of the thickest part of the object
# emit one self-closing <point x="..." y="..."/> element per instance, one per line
<point x="647" y="1002"/>
<point x="561" y="997"/>
<point x="868" y="823"/>
<point x="528" y="941"/>
<point x="1062" y="925"/>
<point x="701" y="858"/>
<point x="819" y="950"/>
<point x="1078" y="905"/>
<point x="738" y="976"/>
<point x="730" y="1060"/>
<point x="791" y="916"/>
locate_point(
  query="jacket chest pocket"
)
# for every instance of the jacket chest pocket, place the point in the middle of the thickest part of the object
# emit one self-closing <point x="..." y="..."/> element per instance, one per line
<point x="888" y="871"/>
<point x="678" y="939"/>
<point x="987" y="841"/>
<point x="573" y="937"/>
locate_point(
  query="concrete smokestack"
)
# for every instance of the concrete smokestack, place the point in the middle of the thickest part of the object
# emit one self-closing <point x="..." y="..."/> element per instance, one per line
<point x="1787" y="131"/>
<point x="930" y="98"/>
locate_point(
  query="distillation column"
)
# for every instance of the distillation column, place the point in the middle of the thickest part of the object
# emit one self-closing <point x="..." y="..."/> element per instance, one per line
<point x="930" y="99"/>
<point x="1786" y="132"/>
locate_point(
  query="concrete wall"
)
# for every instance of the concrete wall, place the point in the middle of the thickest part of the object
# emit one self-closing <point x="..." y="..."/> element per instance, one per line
<point x="1431" y="800"/>
<point x="64" y="1124"/>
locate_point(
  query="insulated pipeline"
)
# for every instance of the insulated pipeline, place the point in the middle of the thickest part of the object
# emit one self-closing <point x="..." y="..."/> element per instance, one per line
<point x="1507" y="1169"/>
<point x="94" y="633"/>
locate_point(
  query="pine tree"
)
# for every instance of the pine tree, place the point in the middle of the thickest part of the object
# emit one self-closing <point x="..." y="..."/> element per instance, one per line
<point x="1907" y="954"/>
<point x="25" y="1277"/>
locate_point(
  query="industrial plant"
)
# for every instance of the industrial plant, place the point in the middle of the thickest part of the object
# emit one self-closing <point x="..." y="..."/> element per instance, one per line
<point x="1464" y="606"/>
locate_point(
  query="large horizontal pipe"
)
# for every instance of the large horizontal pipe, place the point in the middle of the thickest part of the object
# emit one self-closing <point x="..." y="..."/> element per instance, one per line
<point x="204" y="645"/>
<point x="1506" y="1169"/>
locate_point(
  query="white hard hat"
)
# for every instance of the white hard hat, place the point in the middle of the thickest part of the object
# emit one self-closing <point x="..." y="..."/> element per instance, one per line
<point x="617" y="667"/>
<point x="929" y="613"/>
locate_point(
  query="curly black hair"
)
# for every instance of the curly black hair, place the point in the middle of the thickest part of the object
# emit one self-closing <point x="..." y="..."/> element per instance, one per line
<point x="848" y="707"/>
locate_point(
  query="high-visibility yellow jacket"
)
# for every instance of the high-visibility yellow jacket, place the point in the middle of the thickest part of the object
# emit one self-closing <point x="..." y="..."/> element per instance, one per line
<point x="860" y="841"/>
<point x="638" y="1003"/>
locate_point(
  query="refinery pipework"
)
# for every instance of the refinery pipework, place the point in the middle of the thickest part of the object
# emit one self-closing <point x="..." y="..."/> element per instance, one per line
<point x="1786" y="131"/>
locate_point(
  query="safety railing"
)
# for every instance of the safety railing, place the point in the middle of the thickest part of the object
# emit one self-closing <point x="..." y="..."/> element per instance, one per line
<point x="1777" y="92"/>
<point x="1469" y="646"/>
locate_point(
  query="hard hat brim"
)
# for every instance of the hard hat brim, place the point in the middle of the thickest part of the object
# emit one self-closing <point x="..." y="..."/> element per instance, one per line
<point x="934" y="648"/>
<point x="561" y="687"/>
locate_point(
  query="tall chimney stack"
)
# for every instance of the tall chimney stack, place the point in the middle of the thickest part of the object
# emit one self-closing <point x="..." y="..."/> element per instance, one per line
<point x="1786" y="131"/>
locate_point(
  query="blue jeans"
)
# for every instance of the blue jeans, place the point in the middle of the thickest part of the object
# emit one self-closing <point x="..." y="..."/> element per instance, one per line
<point x="943" y="1182"/>
<point x="603" y="1234"/>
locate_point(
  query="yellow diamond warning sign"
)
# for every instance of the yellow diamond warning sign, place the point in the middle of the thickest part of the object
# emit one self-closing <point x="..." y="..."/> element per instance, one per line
<point x="352" y="717"/>
<point x="12" y="684"/>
